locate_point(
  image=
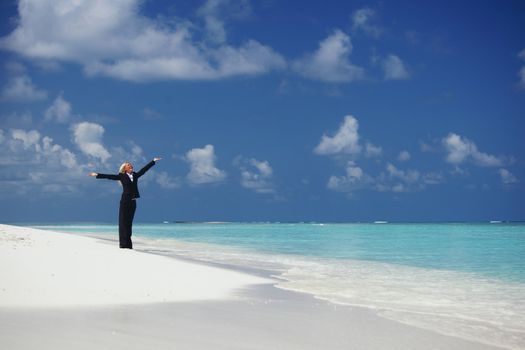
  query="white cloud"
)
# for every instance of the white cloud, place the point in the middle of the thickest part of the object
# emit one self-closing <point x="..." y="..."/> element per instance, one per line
<point x="394" y="68"/>
<point x="28" y="138"/>
<point x="33" y="163"/>
<point x="459" y="172"/>
<point x="49" y="66"/>
<point x="399" y="188"/>
<point x="409" y="176"/>
<point x="215" y="12"/>
<point x="522" y="54"/>
<point x="485" y="159"/>
<point x="521" y="73"/>
<point x="59" y="111"/>
<point x="162" y="68"/>
<point x="433" y="178"/>
<point x="362" y="20"/>
<point x="394" y="180"/>
<point x="136" y="150"/>
<point x="257" y="176"/>
<point x="403" y="156"/>
<point x="166" y="181"/>
<point x="252" y="58"/>
<point x="88" y="137"/>
<point x="63" y="156"/>
<point x="345" y="140"/>
<point x="372" y="150"/>
<point x="112" y="38"/>
<point x="397" y="180"/>
<point x="354" y="179"/>
<point x="458" y="149"/>
<point x="21" y="89"/>
<point x="507" y="177"/>
<point x="130" y="152"/>
<point x="331" y="61"/>
<point x="78" y="31"/>
<point x="202" y="166"/>
<point x="214" y="25"/>
<point x="461" y="149"/>
<point x="426" y="147"/>
<point x="150" y="114"/>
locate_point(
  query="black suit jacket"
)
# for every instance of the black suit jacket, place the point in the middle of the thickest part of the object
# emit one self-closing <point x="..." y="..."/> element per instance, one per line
<point x="130" y="188"/>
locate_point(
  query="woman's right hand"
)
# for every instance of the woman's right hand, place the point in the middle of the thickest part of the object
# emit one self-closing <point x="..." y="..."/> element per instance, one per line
<point x="92" y="174"/>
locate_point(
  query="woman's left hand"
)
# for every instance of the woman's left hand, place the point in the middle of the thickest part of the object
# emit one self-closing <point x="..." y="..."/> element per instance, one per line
<point x="156" y="159"/>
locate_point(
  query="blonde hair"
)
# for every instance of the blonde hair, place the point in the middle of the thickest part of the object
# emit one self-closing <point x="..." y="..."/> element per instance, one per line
<point x="121" y="169"/>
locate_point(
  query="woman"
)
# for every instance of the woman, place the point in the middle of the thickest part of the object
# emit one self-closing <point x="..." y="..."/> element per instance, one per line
<point x="130" y="192"/>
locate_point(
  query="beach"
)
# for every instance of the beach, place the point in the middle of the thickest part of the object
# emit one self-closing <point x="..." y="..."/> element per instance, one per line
<point x="64" y="291"/>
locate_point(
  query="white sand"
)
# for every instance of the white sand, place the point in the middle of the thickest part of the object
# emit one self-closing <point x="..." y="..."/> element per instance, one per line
<point x="61" y="291"/>
<point x="48" y="269"/>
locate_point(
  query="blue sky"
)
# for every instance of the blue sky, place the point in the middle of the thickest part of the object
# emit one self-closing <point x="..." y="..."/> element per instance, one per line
<point x="263" y="110"/>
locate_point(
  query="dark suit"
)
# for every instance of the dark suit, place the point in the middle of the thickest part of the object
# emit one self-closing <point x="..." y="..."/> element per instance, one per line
<point x="128" y="205"/>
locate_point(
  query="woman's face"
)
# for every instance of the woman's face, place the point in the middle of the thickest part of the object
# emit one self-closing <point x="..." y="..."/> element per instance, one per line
<point x="128" y="168"/>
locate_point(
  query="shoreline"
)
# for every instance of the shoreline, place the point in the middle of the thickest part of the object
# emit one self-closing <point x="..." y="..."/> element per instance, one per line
<point x="48" y="268"/>
<point x="252" y="315"/>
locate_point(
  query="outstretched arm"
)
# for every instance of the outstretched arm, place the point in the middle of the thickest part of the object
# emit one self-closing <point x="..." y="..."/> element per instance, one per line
<point x="147" y="167"/>
<point x="105" y="176"/>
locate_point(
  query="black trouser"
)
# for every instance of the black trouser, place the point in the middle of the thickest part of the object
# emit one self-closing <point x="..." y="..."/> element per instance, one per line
<point x="125" y="222"/>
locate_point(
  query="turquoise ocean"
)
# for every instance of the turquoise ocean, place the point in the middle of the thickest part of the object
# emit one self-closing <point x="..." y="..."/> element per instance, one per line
<point x="460" y="279"/>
